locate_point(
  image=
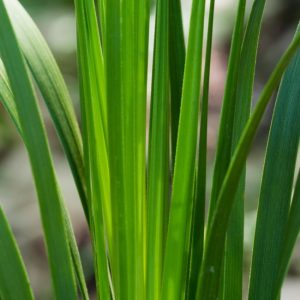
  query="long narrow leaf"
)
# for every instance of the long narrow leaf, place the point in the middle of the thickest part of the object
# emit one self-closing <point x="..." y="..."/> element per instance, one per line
<point x="94" y="116"/>
<point x="198" y="221"/>
<point x="14" y="282"/>
<point x="116" y="141"/>
<point x="6" y="97"/>
<point x="240" y="92"/>
<point x="235" y="112"/>
<point x="176" y="257"/>
<point x="277" y="185"/>
<point x="142" y="16"/>
<point x="131" y="108"/>
<point x="208" y="283"/>
<point x="54" y="91"/>
<point x="41" y="162"/>
<point x="232" y="282"/>
<point x="158" y="165"/>
<point x="291" y="235"/>
<point x="177" y="61"/>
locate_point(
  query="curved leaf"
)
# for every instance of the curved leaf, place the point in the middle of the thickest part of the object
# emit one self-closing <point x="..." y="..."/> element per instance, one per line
<point x="54" y="91"/>
<point x="14" y="282"/>
<point x="277" y="185"/>
<point x="7" y="99"/>
<point x="41" y="162"/>
<point x="216" y="232"/>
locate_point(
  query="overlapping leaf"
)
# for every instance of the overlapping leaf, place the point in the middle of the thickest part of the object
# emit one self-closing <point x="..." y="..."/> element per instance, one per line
<point x="276" y="188"/>
<point x="41" y="162"/>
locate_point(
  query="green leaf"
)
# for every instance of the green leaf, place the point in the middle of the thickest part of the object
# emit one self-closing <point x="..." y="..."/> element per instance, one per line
<point x="6" y="97"/>
<point x="76" y="260"/>
<point x="158" y="162"/>
<point x="236" y="92"/>
<point x="139" y="85"/>
<point x="53" y="89"/>
<point x="176" y="257"/>
<point x="116" y="142"/>
<point x="177" y="61"/>
<point x="41" y="162"/>
<point x="235" y="113"/>
<point x="133" y="118"/>
<point x="198" y="221"/>
<point x="208" y="283"/>
<point x="94" y="119"/>
<point x="101" y="7"/>
<point x="276" y="188"/>
<point x="125" y="59"/>
<point x="291" y="235"/>
<point x="14" y="282"/>
<point x="232" y="282"/>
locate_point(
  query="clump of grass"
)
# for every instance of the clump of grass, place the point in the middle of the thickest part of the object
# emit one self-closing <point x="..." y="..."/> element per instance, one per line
<point x="148" y="233"/>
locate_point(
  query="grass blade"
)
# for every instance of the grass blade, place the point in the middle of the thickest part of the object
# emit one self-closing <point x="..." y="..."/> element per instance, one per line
<point x="14" y="282"/>
<point x="158" y="164"/>
<point x="177" y="61"/>
<point x="41" y="163"/>
<point x="142" y="16"/>
<point x="131" y="107"/>
<point x="277" y="185"/>
<point x="101" y="7"/>
<point x="116" y="144"/>
<point x="6" y="97"/>
<point x="174" y="274"/>
<point x="291" y="235"/>
<point x="243" y="90"/>
<point x="208" y="283"/>
<point x="235" y="112"/>
<point x="232" y="281"/>
<point x="198" y="221"/>
<point x="76" y="260"/>
<point x="94" y="116"/>
<point x="53" y="89"/>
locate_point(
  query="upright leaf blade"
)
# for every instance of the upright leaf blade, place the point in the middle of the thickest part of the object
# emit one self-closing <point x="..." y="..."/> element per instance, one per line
<point x="142" y="16"/>
<point x="236" y="92"/>
<point x="116" y="141"/>
<point x="235" y="113"/>
<point x="232" y="282"/>
<point x="158" y="164"/>
<point x="177" y="61"/>
<point x="277" y="185"/>
<point x="41" y="163"/>
<point x="291" y="234"/>
<point x="14" y="282"/>
<point x="208" y="284"/>
<point x="94" y="116"/>
<point x="174" y="274"/>
<point x="198" y="221"/>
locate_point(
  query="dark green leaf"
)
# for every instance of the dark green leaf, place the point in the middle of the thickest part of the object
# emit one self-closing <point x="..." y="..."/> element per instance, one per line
<point x="216" y="232"/>
<point x="276" y="187"/>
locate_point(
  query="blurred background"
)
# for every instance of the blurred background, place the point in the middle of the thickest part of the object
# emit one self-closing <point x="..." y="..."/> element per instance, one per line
<point x="55" y="18"/>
